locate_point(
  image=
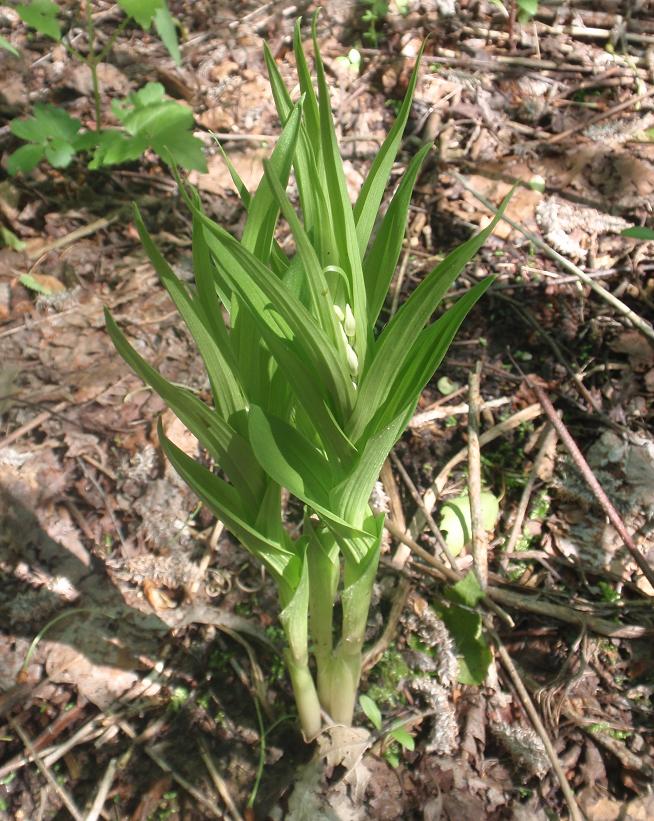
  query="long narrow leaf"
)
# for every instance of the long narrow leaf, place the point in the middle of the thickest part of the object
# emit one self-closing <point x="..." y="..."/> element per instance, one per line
<point x="271" y="301"/>
<point x="398" y="337"/>
<point x="372" y="190"/>
<point x="425" y="357"/>
<point x="381" y="259"/>
<point x="219" y="361"/>
<point x="225" y="445"/>
<point x="224" y="501"/>
<point x="344" y="226"/>
<point x="321" y="303"/>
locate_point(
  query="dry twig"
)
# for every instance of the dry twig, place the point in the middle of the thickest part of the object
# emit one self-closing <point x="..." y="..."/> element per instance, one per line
<point x="429" y="499"/>
<point x="592" y="482"/>
<point x="477" y="532"/>
<point x="642" y="325"/>
<point x="532" y="712"/>
<point x="45" y="772"/>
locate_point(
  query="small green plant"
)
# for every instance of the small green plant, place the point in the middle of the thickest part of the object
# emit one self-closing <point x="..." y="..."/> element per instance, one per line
<point x="526" y="9"/>
<point x="148" y="120"/>
<point x="375" y="12"/>
<point x="395" y="734"/>
<point x="307" y="395"/>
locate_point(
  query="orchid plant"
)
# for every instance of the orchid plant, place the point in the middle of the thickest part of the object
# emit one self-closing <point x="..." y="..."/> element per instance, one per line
<point x="310" y="387"/>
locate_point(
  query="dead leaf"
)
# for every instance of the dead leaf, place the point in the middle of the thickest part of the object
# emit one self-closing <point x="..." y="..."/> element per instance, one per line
<point x="637" y="348"/>
<point x="640" y="809"/>
<point x="343" y="746"/>
<point x="217" y="179"/>
<point x="596" y="806"/>
<point x="217" y="119"/>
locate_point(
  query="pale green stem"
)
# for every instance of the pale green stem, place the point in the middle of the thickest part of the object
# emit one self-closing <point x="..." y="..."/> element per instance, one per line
<point x="322" y="556"/>
<point x="306" y="697"/>
<point x="339" y="674"/>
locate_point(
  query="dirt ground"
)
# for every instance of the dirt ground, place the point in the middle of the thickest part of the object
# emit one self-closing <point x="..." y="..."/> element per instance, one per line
<point x="139" y="647"/>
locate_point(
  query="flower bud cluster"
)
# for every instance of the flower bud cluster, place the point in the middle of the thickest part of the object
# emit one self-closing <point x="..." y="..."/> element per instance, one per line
<point x="348" y="332"/>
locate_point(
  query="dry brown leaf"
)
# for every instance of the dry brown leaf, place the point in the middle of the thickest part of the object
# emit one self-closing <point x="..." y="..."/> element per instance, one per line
<point x="343" y="746"/>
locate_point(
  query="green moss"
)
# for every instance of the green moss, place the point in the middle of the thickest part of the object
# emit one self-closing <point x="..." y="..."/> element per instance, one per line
<point x="385" y="680"/>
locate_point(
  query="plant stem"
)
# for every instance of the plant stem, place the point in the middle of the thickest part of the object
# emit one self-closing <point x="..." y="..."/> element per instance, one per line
<point x="306" y="697"/>
<point x="92" y="62"/>
<point x="340" y="671"/>
<point x="322" y="558"/>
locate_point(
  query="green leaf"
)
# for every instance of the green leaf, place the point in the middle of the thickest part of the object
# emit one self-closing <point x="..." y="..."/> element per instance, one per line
<point x="7" y="46"/>
<point x="42" y="16"/>
<point x="424" y="358"/>
<point x="465" y="625"/>
<point x="157" y="118"/>
<point x="156" y="123"/>
<point x="395" y="345"/>
<point x="467" y="592"/>
<point x="165" y="26"/>
<point x="227" y="447"/>
<point x="225" y="502"/>
<point x="10" y="239"/>
<point x="403" y="738"/>
<point x="141" y="10"/>
<point x="381" y="259"/>
<point x="639" y="233"/>
<point x="273" y="305"/>
<point x="529" y="7"/>
<point x="25" y="158"/>
<point x="116" y="148"/>
<point x="264" y="206"/>
<point x="185" y="149"/>
<point x="34" y="284"/>
<point x="456" y="519"/>
<point x="59" y="152"/>
<point x="48" y="122"/>
<point x="292" y="461"/>
<point x="319" y="295"/>
<point x="215" y="351"/>
<point x="371" y="710"/>
<point x="349" y="256"/>
<point x="372" y="190"/>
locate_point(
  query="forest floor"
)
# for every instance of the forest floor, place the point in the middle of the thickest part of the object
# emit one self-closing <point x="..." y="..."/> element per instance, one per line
<point x="156" y="689"/>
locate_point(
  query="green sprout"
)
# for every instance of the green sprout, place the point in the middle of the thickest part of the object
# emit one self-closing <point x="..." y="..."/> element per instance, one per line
<point x="307" y="396"/>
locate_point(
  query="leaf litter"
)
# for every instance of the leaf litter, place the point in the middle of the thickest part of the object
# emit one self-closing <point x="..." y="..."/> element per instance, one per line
<point x="62" y="527"/>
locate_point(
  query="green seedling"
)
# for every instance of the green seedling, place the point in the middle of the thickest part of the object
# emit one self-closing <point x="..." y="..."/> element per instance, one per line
<point x="149" y="121"/>
<point x="397" y="732"/>
<point x="307" y="395"/>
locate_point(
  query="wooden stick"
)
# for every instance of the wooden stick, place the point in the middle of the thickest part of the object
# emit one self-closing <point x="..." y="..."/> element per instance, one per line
<point x="592" y="482"/>
<point x="477" y="531"/>
<point x="639" y="323"/>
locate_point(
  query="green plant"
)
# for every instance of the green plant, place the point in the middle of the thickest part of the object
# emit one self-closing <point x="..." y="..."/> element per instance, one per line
<point x="306" y="395"/>
<point x="148" y="120"/>
<point x="395" y="734"/>
<point x="639" y="233"/>
<point x="375" y="12"/>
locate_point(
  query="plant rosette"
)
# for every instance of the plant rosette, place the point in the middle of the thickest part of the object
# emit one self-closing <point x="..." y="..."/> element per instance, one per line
<point x="308" y="396"/>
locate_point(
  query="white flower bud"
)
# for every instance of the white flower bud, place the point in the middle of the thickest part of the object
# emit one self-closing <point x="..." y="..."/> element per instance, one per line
<point x="352" y="360"/>
<point x="349" y="323"/>
<point x="339" y="313"/>
<point x="346" y="341"/>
